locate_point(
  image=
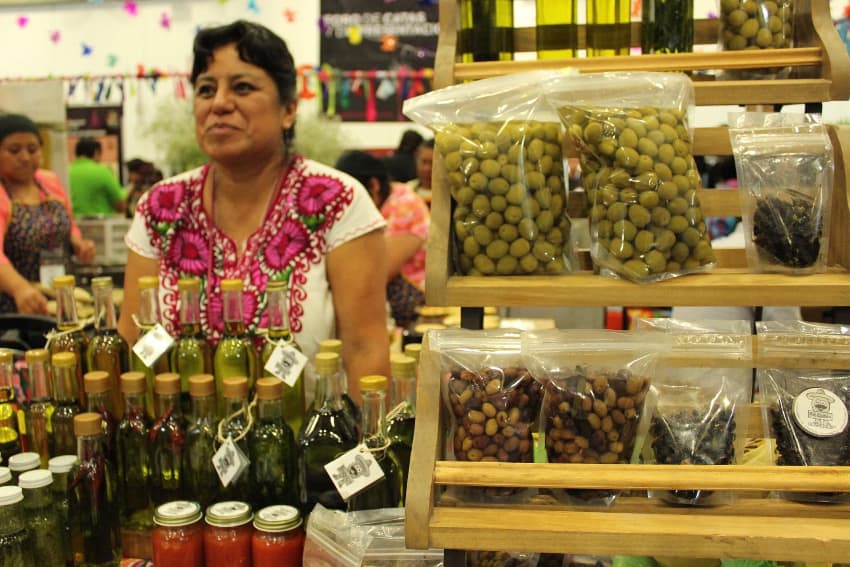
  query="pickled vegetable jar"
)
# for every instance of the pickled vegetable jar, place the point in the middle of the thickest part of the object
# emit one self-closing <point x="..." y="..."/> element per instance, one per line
<point x="227" y="535"/>
<point x="178" y="535"/>
<point x="278" y="537"/>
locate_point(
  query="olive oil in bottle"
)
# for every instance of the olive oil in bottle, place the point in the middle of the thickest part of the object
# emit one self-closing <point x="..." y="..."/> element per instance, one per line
<point x="272" y="450"/>
<point x="486" y="30"/>
<point x="65" y="402"/>
<point x="557" y="29"/>
<point x="667" y="26"/>
<point x="166" y="439"/>
<point x="10" y="434"/>
<point x="70" y="336"/>
<point x="235" y="354"/>
<point x="201" y="481"/>
<point x="99" y="395"/>
<point x="234" y="390"/>
<point x="107" y="351"/>
<point x="402" y="416"/>
<point x="352" y="410"/>
<point x="191" y="354"/>
<point x="608" y="27"/>
<point x="133" y="454"/>
<point x="148" y="319"/>
<point x="39" y="410"/>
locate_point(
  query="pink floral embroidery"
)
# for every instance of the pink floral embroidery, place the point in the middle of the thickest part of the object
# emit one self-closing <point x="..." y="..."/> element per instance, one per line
<point x="215" y="309"/>
<point x="189" y="252"/>
<point x="317" y="192"/>
<point x="164" y="201"/>
<point x="287" y="244"/>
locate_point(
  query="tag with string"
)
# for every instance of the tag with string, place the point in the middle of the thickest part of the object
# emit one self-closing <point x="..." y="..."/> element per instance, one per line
<point x="153" y="344"/>
<point x="229" y="462"/>
<point x="354" y="471"/>
<point x="287" y="363"/>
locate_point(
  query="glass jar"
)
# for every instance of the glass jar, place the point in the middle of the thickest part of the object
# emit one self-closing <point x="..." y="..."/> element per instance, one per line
<point x="757" y="24"/>
<point x="178" y="534"/>
<point x="15" y="542"/>
<point x="667" y="26"/>
<point x="60" y="467"/>
<point x="278" y="537"/>
<point x="42" y="518"/>
<point x="21" y="463"/>
<point x="227" y="535"/>
<point x="5" y="476"/>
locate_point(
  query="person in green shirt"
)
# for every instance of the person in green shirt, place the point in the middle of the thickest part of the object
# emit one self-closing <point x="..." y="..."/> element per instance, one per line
<point x="94" y="188"/>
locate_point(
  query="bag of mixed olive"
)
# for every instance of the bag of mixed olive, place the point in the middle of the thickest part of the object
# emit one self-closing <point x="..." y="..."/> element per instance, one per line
<point x="492" y="399"/>
<point x="636" y="154"/>
<point x="701" y="407"/>
<point x="756" y="24"/>
<point x="499" y="152"/>
<point x="595" y="386"/>
<point x="806" y="409"/>
<point x="785" y="169"/>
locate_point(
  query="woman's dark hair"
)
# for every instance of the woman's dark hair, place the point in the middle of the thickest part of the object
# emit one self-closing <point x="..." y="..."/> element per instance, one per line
<point x="17" y="123"/>
<point x="363" y="167"/>
<point x="410" y="140"/>
<point x="257" y="45"/>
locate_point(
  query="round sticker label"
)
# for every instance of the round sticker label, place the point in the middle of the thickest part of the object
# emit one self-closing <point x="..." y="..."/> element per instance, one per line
<point x="820" y="413"/>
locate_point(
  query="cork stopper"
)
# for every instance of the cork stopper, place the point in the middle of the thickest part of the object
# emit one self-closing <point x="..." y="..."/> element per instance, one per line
<point x="231" y="285"/>
<point x="64" y="281"/>
<point x="6" y="356"/>
<point x="331" y="345"/>
<point x="88" y="424"/>
<point x="413" y="350"/>
<point x="235" y="387"/>
<point x="65" y="360"/>
<point x="166" y="384"/>
<point x="101" y="282"/>
<point x="373" y="383"/>
<point x="276" y="285"/>
<point x="148" y="282"/>
<point x="96" y="382"/>
<point x="201" y="385"/>
<point x="269" y="388"/>
<point x="133" y="383"/>
<point x="402" y="366"/>
<point x="37" y="355"/>
<point x="189" y="284"/>
<point x="327" y="362"/>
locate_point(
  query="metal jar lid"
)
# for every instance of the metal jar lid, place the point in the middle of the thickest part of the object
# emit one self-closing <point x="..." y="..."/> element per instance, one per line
<point x="177" y="513"/>
<point x="11" y="495"/>
<point x="228" y="514"/>
<point x="279" y="518"/>
<point x="38" y="478"/>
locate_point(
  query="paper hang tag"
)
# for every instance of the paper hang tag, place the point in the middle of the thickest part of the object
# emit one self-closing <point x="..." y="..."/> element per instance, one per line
<point x="229" y="462"/>
<point x="46" y="273"/>
<point x="354" y="471"/>
<point x="287" y="363"/>
<point x="152" y="345"/>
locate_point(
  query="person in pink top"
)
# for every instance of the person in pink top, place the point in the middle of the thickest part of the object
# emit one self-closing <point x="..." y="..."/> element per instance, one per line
<point x="35" y="219"/>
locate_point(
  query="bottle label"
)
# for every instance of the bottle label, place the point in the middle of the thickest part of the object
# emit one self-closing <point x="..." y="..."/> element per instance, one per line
<point x="229" y="462"/>
<point x="820" y="413"/>
<point x="152" y="345"/>
<point x="354" y="471"/>
<point x="287" y="363"/>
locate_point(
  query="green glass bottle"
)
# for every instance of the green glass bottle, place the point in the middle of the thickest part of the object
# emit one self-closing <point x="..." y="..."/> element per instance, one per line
<point x="10" y="434"/>
<point x="486" y="30"/>
<point x="340" y="380"/>
<point x="557" y="29"/>
<point x="70" y="336"/>
<point x="39" y="410"/>
<point x="108" y="351"/>
<point x="608" y="27"/>
<point x="42" y="518"/>
<point x="389" y="491"/>
<point x="15" y="541"/>
<point x="201" y="481"/>
<point x="234" y="391"/>
<point x="272" y="449"/>
<point x="65" y="401"/>
<point x="93" y="502"/>
<point x="280" y="335"/>
<point x="62" y="469"/>
<point x="133" y="454"/>
<point x="191" y="354"/>
<point x="667" y="26"/>
<point x="402" y="417"/>
<point x="147" y="320"/>
<point x="98" y="386"/>
<point x="235" y="354"/>
<point x="166" y="441"/>
<point x="326" y="434"/>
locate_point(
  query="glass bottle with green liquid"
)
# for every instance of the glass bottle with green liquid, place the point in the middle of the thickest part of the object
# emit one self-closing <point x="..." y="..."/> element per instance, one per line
<point x="486" y="30"/>
<point x="69" y="335"/>
<point x="15" y="541"/>
<point x="402" y="416"/>
<point x="234" y="424"/>
<point x="272" y="449"/>
<point x="389" y="491"/>
<point x="201" y="481"/>
<point x="340" y="380"/>
<point x="609" y="30"/>
<point x="167" y="438"/>
<point x="108" y="351"/>
<point x="557" y="29"/>
<point x="99" y="395"/>
<point x="235" y="354"/>
<point x="66" y="406"/>
<point x="191" y="355"/>
<point x="39" y="410"/>
<point x="147" y="320"/>
<point x="279" y="336"/>
<point x="326" y="434"/>
<point x="10" y="432"/>
<point x="62" y="468"/>
<point x="42" y="518"/>
<point x="133" y="454"/>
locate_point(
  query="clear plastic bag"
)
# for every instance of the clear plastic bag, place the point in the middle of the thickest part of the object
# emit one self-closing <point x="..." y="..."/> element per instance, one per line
<point x="595" y="387"/>
<point x="636" y="153"/>
<point x="500" y="559"/>
<point x="499" y="145"/>
<point x="700" y="414"/>
<point x="757" y="24"/>
<point x="806" y="409"/>
<point x="785" y="169"/>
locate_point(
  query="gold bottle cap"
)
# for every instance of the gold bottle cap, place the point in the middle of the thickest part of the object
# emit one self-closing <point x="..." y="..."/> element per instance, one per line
<point x="148" y="282"/>
<point x="331" y="345"/>
<point x="402" y="366"/>
<point x="228" y="514"/>
<point x="101" y="281"/>
<point x="6" y="356"/>
<point x="96" y="382"/>
<point x="189" y="284"/>
<point x="413" y="350"/>
<point x="166" y="384"/>
<point x="327" y="362"/>
<point x="177" y="513"/>
<point x="269" y="388"/>
<point x="64" y="359"/>
<point x="133" y="382"/>
<point x="231" y="285"/>
<point x="373" y="383"/>
<point x="64" y="281"/>
<point x="201" y="385"/>
<point x="276" y="285"/>
<point x="37" y="355"/>
<point x="423" y="328"/>
<point x="88" y="424"/>
<point x="234" y="387"/>
<point x="277" y="518"/>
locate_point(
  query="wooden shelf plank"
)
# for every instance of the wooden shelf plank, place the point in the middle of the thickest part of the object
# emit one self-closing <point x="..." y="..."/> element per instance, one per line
<point x="789" y="91"/>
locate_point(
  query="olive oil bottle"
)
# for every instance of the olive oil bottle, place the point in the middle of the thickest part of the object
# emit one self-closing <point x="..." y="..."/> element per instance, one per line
<point x="235" y="354"/>
<point x="272" y="449"/>
<point x="608" y="27"/>
<point x="133" y="454"/>
<point x="99" y="400"/>
<point x="65" y="401"/>
<point x="167" y="439"/>
<point x="39" y="409"/>
<point x="148" y="319"/>
<point x="70" y="336"/>
<point x="107" y="351"/>
<point x="234" y="391"/>
<point x="191" y="354"/>
<point x="402" y="416"/>
<point x="667" y="26"/>
<point x="557" y="29"/>
<point x="201" y="481"/>
<point x="10" y="433"/>
<point x="486" y="30"/>
<point x="340" y="380"/>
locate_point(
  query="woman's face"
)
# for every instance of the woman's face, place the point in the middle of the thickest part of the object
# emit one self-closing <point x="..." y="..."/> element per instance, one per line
<point x="20" y="157"/>
<point x="238" y="112"/>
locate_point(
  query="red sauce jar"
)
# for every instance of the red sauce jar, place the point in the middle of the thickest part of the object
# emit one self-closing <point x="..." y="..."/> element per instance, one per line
<point x="278" y="537"/>
<point x="178" y="534"/>
<point x="227" y="536"/>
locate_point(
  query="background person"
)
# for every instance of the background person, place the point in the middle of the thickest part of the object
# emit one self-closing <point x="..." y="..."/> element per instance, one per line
<point x="94" y="189"/>
<point x="424" y="165"/>
<point x="401" y="166"/>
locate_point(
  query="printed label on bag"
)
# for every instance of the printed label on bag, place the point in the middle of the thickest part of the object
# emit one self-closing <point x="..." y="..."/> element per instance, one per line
<point x="229" y="462"/>
<point x="820" y="413"/>
<point x="354" y="471"/>
<point x="152" y="345"/>
<point x="287" y="363"/>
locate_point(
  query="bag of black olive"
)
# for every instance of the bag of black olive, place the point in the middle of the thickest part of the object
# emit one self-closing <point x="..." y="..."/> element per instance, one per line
<point x="635" y="147"/>
<point x="595" y="387"/>
<point x="701" y="405"/>
<point x="499" y="153"/>
<point x="806" y="409"/>
<point x="492" y="399"/>
<point x="785" y="166"/>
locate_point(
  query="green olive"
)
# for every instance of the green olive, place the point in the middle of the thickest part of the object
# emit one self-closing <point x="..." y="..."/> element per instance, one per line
<point x="656" y="261"/>
<point x="629" y="195"/>
<point x="680" y="252"/>
<point x="498" y="203"/>
<point x="490" y="168"/>
<point x="447" y="142"/>
<point x="624" y="229"/>
<point x="636" y="268"/>
<point x="482" y="234"/>
<point x="488" y="150"/>
<point x="506" y="265"/>
<point x="471" y="246"/>
<point x="468" y="148"/>
<point x="543" y="196"/>
<point x="649" y="199"/>
<point x="461" y="230"/>
<point x="626" y="157"/>
<point x="604" y="229"/>
<point x="647" y="147"/>
<point x="513" y="214"/>
<point x="481" y="206"/>
<point x="527" y="229"/>
<point x="665" y="240"/>
<point x="484" y="264"/>
<point x="690" y="237"/>
<point x="621" y="249"/>
<point x="519" y="248"/>
<point x="497" y="249"/>
<point x="678" y="206"/>
<point x="528" y="263"/>
<point x="508" y="232"/>
<point x="598" y="212"/>
<point x="543" y="251"/>
<point x="478" y="181"/>
<point x="678" y="224"/>
<point x="639" y="215"/>
<point x="465" y="195"/>
<point x="628" y="138"/>
<point x="516" y="194"/>
<point x="535" y="180"/>
<point x="666" y="152"/>
<point x="644" y="241"/>
<point x="660" y="216"/>
<point x="494" y="220"/>
<point x="545" y="221"/>
<point x="617" y="211"/>
<point x="452" y="161"/>
<point x="535" y="150"/>
<point x="555" y="236"/>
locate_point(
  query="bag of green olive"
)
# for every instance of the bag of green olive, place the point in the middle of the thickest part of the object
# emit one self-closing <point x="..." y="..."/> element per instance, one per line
<point x="701" y="407"/>
<point x="492" y="399"/>
<point x="806" y="409"/>
<point x="785" y="170"/>
<point x="499" y="152"/>
<point x="756" y="24"/>
<point x="595" y="397"/>
<point x="636" y="155"/>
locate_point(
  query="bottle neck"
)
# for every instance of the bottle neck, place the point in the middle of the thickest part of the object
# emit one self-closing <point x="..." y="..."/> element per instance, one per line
<point x="232" y="308"/>
<point x="374" y="418"/>
<point x="233" y="405"/>
<point x="7" y="375"/>
<point x="134" y="405"/>
<point x="90" y="447"/>
<point x="404" y="390"/>
<point x="270" y="410"/>
<point x="148" y="307"/>
<point x="328" y="394"/>
<point x="168" y="405"/>
<point x="66" y="309"/>
<point x="39" y="381"/>
<point x="99" y="402"/>
<point x="190" y="308"/>
<point x="278" y="314"/>
<point x="341" y="377"/>
<point x="203" y="408"/>
<point x="104" y="309"/>
<point x="64" y="384"/>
